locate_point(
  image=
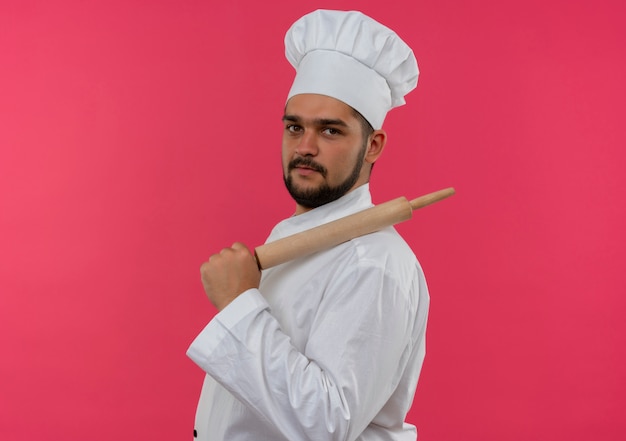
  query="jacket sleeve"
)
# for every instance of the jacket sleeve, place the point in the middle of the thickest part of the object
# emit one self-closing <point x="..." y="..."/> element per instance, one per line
<point x="354" y="358"/>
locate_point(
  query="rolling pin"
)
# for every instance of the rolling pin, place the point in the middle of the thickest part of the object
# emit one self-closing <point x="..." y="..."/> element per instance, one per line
<point x="342" y="230"/>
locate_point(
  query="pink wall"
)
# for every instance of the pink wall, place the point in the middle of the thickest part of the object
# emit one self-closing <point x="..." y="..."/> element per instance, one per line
<point x="137" y="138"/>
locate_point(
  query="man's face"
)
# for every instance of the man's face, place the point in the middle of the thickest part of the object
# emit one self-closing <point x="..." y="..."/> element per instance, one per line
<point x="323" y="150"/>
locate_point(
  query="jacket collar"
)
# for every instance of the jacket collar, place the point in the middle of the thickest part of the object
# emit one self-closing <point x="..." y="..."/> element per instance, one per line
<point x="357" y="200"/>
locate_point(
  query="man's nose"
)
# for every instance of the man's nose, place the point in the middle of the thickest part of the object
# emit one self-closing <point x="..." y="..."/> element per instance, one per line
<point x="307" y="145"/>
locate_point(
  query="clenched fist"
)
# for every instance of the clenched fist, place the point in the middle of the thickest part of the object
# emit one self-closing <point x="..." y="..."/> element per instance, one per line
<point x="228" y="274"/>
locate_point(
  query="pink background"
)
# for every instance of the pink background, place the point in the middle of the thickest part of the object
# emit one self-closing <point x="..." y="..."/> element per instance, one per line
<point x="137" y="138"/>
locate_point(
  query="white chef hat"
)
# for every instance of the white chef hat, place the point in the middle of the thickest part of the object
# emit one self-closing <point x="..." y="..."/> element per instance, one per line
<point x="353" y="58"/>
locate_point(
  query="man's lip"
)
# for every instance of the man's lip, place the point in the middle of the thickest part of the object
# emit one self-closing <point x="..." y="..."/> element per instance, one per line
<point x="306" y="167"/>
<point x="304" y="170"/>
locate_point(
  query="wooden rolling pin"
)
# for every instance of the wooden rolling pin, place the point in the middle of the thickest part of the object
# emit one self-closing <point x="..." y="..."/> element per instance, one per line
<point x="342" y="230"/>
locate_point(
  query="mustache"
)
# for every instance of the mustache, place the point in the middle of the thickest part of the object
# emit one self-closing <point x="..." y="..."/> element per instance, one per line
<point x="309" y="163"/>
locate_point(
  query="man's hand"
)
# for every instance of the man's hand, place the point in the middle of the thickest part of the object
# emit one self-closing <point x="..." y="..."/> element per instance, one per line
<point x="228" y="274"/>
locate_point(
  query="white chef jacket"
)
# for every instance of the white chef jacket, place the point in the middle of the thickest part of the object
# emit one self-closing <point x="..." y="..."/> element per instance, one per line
<point x="329" y="347"/>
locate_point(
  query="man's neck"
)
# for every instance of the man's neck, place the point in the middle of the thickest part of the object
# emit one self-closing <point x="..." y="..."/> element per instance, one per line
<point x="300" y="209"/>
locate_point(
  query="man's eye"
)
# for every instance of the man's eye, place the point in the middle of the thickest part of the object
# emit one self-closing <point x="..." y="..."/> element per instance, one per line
<point x="331" y="131"/>
<point x="293" y="128"/>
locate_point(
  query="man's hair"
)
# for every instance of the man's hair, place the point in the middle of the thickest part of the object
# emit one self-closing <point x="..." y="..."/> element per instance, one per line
<point x="366" y="127"/>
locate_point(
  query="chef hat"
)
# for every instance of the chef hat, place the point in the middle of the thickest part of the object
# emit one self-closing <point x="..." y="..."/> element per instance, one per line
<point x="353" y="58"/>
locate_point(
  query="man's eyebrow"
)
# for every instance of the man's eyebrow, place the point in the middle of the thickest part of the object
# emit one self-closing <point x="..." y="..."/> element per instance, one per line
<point x="317" y="121"/>
<point x="331" y="122"/>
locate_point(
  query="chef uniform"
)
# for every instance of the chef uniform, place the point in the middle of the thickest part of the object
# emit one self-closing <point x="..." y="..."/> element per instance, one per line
<point x="330" y="346"/>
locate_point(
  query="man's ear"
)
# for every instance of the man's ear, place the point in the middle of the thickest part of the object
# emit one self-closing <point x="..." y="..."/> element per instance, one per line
<point x="376" y="145"/>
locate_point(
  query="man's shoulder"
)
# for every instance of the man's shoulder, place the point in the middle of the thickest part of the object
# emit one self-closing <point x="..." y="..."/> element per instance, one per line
<point x="384" y="241"/>
<point x="385" y="249"/>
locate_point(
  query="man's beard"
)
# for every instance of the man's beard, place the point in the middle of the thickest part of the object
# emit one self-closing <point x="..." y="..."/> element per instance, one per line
<point x="316" y="197"/>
